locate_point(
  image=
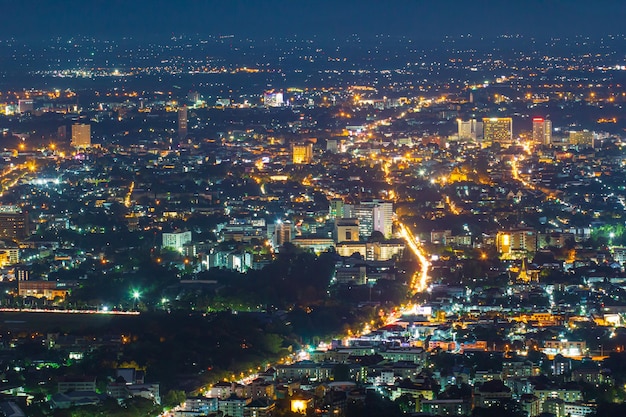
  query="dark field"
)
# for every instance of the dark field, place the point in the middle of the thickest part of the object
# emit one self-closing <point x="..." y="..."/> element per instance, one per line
<point x="52" y="322"/>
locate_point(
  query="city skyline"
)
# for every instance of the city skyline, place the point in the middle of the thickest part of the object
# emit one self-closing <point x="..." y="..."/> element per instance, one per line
<point x="324" y="209"/>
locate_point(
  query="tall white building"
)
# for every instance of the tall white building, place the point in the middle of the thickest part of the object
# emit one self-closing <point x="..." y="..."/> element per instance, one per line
<point x="470" y="129"/>
<point x="373" y="216"/>
<point x="383" y="218"/>
<point x="176" y="240"/>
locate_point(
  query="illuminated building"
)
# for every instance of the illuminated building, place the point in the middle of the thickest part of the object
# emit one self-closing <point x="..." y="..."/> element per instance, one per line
<point x="347" y="230"/>
<point x="565" y="347"/>
<point x="470" y="129"/>
<point x="371" y="251"/>
<point x="280" y="232"/>
<point x="176" y="241"/>
<point x="383" y="218"/>
<point x="583" y="138"/>
<point x="302" y="154"/>
<point x="182" y="122"/>
<point x="497" y="130"/>
<point x="25" y="106"/>
<point x="336" y="208"/>
<point x="273" y="99"/>
<point x="453" y="407"/>
<point x="542" y="131"/>
<point x="233" y="406"/>
<point x="347" y="249"/>
<point x="373" y="216"/>
<point x="13" y="223"/>
<point x="22" y="274"/>
<point x="9" y="256"/>
<point x="314" y="244"/>
<point x="239" y="261"/>
<point x="81" y="135"/>
<point x="516" y="243"/>
<point x="41" y="289"/>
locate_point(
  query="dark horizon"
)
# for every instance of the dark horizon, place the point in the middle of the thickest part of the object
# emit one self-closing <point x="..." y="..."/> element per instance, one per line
<point x="325" y="19"/>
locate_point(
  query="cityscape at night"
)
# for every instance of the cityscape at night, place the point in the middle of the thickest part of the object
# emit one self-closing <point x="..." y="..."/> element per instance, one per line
<point x="321" y="209"/>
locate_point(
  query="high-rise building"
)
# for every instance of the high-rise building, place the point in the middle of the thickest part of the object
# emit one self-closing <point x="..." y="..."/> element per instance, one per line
<point x="81" y="135"/>
<point x="177" y="240"/>
<point x="542" y="131"/>
<point x="582" y="138"/>
<point x="302" y="154"/>
<point x="182" y="122"/>
<point x="470" y="129"/>
<point x="383" y="218"/>
<point x="13" y="223"/>
<point x="516" y="243"/>
<point x="373" y="216"/>
<point x="498" y="130"/>
<point x="273" y="99"/>
<point x="283" y="233"/>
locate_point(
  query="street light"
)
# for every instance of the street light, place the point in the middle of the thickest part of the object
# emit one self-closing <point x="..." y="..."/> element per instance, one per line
<point x="136" y="295"/>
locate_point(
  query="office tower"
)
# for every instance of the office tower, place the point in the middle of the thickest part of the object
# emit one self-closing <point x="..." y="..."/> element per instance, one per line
<point x="383" y="218"/>
<point x="469" y="129"/>
<point x="177" y="240"/>
<point x="81" y="135"/>
<point x="280" y="232"/>
<point x="373" y="216"/>
<point x="302" y="154"/>
<point x="583" y="138"/>
<point x="13" y="223"/>
<point x="182" y="122"/>
<point x="542" y="131"/>
<point x="497" y="130"/>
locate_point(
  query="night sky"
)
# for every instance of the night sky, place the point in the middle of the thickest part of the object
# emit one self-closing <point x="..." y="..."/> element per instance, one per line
<point x="263" y="18"/>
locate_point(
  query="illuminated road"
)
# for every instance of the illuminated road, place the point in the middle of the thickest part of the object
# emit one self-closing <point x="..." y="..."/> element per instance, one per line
<point x="451" y="206"/>
<point x="52" y="311"/>
<point x="419" y="282"/>
<point x="516" y="175"/>
<point x="128" y="199"/>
